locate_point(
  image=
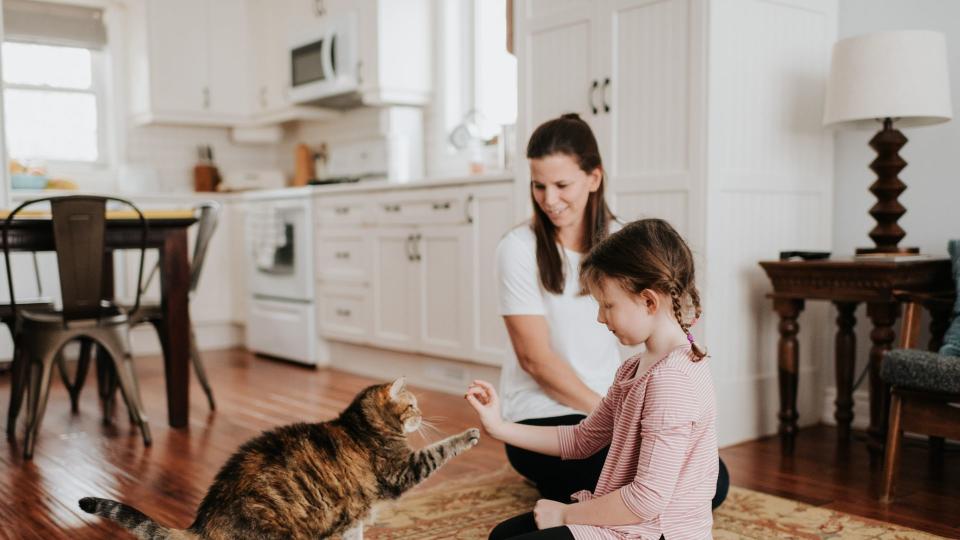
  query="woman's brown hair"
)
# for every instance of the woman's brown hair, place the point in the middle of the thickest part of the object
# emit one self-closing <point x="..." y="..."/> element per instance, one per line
<point x="648" y="254"/>
<point x="568" y="135"/>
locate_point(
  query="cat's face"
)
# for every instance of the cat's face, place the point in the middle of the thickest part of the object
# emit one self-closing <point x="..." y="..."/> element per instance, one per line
<point x="403" y="404"/>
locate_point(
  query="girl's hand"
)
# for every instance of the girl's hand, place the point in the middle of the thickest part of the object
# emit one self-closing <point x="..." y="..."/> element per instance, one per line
<point x="483" y="398"/>
<point x="549" y="514"/>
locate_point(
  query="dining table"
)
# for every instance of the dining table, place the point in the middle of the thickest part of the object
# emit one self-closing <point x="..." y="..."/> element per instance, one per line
<point x="167" y="232"/>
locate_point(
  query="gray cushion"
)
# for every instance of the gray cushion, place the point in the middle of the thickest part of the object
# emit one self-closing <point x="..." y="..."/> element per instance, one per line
<point x="921" y="370"/>
<point x="951" y="340"/>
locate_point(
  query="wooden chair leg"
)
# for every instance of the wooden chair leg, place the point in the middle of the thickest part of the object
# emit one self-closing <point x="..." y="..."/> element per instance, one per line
<point x="890" y="462"/>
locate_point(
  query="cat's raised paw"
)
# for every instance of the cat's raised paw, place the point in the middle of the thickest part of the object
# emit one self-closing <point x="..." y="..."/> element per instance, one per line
<point x="473" y="436"/>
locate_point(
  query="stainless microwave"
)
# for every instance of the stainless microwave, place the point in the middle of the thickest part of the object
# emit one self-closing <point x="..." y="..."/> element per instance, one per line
<point x="324" y="65"/>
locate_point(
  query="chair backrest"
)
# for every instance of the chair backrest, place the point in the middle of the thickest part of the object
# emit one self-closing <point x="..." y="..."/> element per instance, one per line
<point x="79" y="233"/>
<point x="206" y="225"/>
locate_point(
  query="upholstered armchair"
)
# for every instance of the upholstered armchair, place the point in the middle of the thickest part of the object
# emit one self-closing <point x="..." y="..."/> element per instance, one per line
<point x="924" y="385"/>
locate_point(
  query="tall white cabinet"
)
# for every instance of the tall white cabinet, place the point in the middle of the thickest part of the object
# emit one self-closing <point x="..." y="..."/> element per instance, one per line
<point x="707" y="113"/>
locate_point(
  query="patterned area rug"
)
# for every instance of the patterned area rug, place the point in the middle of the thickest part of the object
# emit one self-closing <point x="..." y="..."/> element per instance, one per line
<point x="467" y="509"/>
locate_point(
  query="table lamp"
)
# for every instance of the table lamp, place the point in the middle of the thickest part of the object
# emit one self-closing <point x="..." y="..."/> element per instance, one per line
<point x="882" y="79"/>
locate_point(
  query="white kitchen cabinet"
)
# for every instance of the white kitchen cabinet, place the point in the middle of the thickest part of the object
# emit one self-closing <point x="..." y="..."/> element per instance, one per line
<point x="395" y="290"/>
<point x="189" y="61"/>
<point x="412" y="269"/>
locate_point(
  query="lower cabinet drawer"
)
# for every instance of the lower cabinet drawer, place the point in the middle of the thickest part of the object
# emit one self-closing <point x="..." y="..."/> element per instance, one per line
<point x="344" y="312"/>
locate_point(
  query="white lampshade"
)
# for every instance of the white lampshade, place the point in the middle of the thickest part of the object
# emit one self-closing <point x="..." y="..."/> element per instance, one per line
<point x="900" y="75"/>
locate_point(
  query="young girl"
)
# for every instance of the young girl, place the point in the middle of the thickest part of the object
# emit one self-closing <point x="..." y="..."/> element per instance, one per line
<point x="659" y="417"/>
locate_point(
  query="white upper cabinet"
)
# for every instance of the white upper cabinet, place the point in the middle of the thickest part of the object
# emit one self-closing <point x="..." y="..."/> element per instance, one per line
<point x="188" y="61"/>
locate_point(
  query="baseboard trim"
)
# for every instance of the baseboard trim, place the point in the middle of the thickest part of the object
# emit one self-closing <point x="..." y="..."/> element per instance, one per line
<point x="432" y="372"/>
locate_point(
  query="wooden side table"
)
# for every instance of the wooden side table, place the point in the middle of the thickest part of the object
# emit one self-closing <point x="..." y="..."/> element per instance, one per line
<point x="847" y="282"/>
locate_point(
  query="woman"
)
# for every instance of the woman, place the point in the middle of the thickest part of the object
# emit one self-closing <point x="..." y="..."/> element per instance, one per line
<point x="563" y="360"/>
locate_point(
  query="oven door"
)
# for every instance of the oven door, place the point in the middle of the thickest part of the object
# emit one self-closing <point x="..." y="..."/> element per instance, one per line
<point x="280" y="262"/>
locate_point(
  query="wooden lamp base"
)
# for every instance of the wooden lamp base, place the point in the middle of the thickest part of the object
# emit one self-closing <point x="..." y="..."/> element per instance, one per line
<point x="887" y="210"/>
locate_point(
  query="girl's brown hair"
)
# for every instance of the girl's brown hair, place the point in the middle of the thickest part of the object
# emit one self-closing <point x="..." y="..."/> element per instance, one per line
<point x="648" y="254"/>
<point x="571" y="136"/>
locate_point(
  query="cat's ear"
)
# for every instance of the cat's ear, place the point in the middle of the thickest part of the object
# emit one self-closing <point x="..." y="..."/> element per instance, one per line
<point x="397" y="387"/>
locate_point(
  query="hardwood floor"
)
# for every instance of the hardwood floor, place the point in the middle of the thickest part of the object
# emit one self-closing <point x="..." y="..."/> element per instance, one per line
<point x="77" y="455"/>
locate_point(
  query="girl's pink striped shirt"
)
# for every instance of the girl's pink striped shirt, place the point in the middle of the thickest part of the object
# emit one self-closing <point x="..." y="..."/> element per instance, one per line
<point x="663" y="459"/>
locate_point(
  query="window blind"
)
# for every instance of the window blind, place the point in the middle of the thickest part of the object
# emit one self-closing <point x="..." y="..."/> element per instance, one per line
<point x="53" y="24"/>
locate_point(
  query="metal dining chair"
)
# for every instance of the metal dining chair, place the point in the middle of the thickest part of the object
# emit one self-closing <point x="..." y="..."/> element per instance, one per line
<point x="208" y="215"/>
<point x="79" y="231"/>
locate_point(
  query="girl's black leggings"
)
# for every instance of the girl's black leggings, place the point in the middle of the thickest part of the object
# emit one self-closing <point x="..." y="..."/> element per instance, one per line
<point x="557" y="479"/>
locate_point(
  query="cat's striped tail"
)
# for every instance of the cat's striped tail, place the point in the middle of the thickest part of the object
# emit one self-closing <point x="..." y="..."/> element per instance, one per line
<point x="128" y="517"/>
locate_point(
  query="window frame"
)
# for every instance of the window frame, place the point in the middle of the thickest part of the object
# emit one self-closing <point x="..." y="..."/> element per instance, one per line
<point x="98" y="88"/>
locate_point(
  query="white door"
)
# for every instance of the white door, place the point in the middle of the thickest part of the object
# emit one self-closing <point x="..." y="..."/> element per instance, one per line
<point x="557" y="54"/>
<point x="395" y="296"/>
<point x="654" y="89"/>
<point x="177" y="54"/>
<point x="441" y="255"/>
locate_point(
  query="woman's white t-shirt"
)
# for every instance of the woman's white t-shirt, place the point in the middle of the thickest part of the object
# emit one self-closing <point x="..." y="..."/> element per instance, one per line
<point x="575" y="334"/>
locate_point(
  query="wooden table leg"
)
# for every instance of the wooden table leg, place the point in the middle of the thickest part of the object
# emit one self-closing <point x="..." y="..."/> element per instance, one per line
<point x="175" y="285"/>
<point x="883" y="315"/>
<point x="788" y="360"/>
<point x="845" y="349"/>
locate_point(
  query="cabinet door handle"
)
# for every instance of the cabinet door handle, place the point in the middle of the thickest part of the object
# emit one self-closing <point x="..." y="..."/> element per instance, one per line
<point x="416" y="247"/>
<point x="441" y="206"/>
<point x="603" y="95"/>
<point x="593" y="90"/>
<point x="391" y="208"/>
<point x="206" y="97"/>
<point x="466" y="208"/>
<point x="343" y="312"/>
<point x="263" y="97"/>
<point x="341" y="210"/>
<point x="342" y="255"/>
<point x="409" y="247"/>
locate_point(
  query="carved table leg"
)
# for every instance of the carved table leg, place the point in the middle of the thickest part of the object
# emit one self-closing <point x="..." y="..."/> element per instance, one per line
<point x="845" y="348"/>
<point x="883" y="315"/>
<point x="788" y="360"/>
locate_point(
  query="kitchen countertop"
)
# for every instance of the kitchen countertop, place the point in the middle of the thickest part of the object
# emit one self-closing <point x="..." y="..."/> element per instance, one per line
<point x="191" y="197"/>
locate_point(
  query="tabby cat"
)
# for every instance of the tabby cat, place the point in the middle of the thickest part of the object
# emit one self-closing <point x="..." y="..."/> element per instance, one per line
<point x="309" y="480"/>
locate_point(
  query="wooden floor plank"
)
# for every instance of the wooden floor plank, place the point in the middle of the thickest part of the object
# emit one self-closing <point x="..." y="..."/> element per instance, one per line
<point x="77" y="455"/>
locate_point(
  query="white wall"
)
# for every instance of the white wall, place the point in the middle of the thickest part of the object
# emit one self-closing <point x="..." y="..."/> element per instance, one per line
<point x="932" y="176"/>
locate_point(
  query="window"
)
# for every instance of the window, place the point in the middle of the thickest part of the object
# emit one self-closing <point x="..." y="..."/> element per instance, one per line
<point x="476" y="84"/>
<point x="53" y="82"/>
<point x="51" y="103"/>
<point x="495" y="69"/>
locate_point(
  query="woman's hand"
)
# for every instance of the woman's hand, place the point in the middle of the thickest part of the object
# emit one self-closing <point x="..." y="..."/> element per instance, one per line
<point x="549" y="514"/>
<point x="483" y="398"/>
